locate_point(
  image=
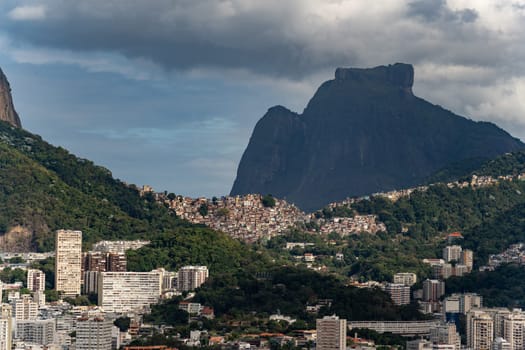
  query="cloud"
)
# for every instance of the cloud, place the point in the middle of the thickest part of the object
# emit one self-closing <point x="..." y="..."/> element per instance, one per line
<point x="137" y="68"/>
<point x="433" y="10"/>
<point x="227" y="61"/>
<point x="28" y="13"/>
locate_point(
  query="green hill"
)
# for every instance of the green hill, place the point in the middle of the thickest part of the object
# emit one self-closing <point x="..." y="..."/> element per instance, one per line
<point x="44" y="188"/>
<point x="490" y="219"/>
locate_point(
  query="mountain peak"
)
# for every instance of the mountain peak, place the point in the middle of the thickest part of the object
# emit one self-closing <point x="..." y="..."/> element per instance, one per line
<point x="360" y="134"/>
<point x="398" y="74"/>
<point x="7" y="109"/>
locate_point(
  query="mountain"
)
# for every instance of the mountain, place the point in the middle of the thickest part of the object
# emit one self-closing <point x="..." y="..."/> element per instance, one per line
<point x="7" y="110"/>
<point x="361" y="133"/>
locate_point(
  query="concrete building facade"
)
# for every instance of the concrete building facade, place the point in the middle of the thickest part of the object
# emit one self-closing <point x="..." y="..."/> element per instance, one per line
<point x="68" y="262"/>
<point x="36" y="280"/>
<point x="406" y="278"/>
<point x="480" y="331"/>
<point x="399" y="293"/>
<point x="36" y="331"/>
<point x="94" y="333"/>
<point x="128" y="291"/>
<point x="191" y="277"/>
<point x="331" y="333"/>
<point x="25" y="308"/>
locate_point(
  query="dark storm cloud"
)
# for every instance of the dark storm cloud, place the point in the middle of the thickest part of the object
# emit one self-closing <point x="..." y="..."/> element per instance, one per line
<point x="179" y="34"/>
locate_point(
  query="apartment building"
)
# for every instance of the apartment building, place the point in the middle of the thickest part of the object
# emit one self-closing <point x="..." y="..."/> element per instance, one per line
<point x="94" y="333"/>
<point x="40" y="332"/>
<point x="433" y="290"/>
<point x="399" y="293"/>
<point x="68" y="262"/>
<point x="24" y="308"/>
<point x="514" y="330"/>
<point x="128" y="291"/>
<point x="331" y="333"/>
<point x="191" y="277"/>
<point x="480" y="330"/>
<point x="405" y="278"/>
<point x="6" y="327"/>
<point x="452" y="253"/>
<point x="445" y="334"/>
<point x="36" y="280"/>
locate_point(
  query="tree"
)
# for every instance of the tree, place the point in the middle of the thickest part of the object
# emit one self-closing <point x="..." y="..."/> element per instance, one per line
<point x="203" y="209"/>
<point x="16" y="260"/>
<point x="123" y="323"/>
<point x="268" y="201"/>
<point x="51" y="295"/>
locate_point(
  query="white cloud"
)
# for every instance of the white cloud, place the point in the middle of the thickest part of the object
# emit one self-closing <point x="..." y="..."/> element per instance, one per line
<point x="97" y="62"/>
<point x="28" y="13"/>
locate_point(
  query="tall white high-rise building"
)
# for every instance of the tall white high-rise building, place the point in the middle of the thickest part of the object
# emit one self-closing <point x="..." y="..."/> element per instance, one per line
<point x="36" y="280"/>
<point x="68" y="262"/>
<point x="514" y="330"/>
<point x="406" y="278"/>
<point x="6" y="327"/>
<point x="331" y="333"/>
<point x="128" y="291"/>
<point x="94" y="333"/>
<point x="191" y="277"/>
<point x="480" y="330"/>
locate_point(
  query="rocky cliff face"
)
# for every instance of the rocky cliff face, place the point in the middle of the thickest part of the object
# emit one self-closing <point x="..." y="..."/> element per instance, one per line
<point x="7" y="110"/>
<point x="361" y="133"/>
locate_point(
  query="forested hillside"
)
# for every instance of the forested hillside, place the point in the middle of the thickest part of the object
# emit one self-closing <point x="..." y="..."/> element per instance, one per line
<point x="489" y="217"/>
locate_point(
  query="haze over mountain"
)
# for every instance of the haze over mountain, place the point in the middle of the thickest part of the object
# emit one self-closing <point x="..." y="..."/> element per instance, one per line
<point x="7" y="109"/>
<point x="361" y="133"/>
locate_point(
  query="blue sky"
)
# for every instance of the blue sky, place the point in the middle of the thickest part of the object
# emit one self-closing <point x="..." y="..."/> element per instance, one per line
<point x="167" y="92"/>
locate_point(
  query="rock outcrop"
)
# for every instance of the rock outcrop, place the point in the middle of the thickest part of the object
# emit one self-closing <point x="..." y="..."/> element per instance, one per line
<point x="7" y="109"/>
<point x="361" y="133"/>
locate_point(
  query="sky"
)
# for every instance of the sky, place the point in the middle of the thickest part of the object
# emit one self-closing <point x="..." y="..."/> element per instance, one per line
<point x="167" y="92"/>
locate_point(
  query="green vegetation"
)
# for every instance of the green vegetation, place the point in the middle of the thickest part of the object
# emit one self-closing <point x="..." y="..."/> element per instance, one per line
<point x="44" y="188"/>
<point x="81" y="300"/>
<point x="417" y="225"/>
<point x="167" y="313"/>
<point x="268" y="201"/>
<point x="203" y="209"/>
<point x="290" y="289"/>
<point x="9" y="275"/>
<point x="16" y="260"/>
<point x="123" y="323"/>
<point x="380" y="338"/>
<point x="503" y="287"/>
<point x="197" y="245"/>
<point x="48" y="267"/>
<point x="508" y="164"/>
